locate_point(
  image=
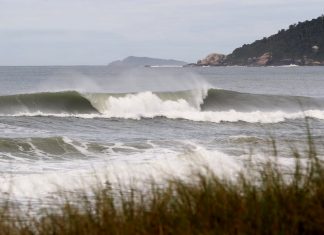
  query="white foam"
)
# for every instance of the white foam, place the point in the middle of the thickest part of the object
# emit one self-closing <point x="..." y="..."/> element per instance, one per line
<point x="83" y="174"/>
<point x="290" y="65"/>
<point x="191" y="114"/>
<point x="139" y="169"/>
<point x="251" y="117"/>
<point x="146" y="103"/>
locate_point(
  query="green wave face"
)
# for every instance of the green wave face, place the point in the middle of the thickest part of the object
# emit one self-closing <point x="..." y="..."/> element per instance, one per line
<point x="223" y="100"/>
<point x="70" y="102"/>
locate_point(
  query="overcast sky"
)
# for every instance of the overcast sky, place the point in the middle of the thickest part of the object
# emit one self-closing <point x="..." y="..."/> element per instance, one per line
<point x="73" y="32"/>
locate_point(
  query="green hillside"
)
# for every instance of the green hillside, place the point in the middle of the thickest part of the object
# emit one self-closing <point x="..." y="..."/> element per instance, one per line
<point x="301" y="43"/>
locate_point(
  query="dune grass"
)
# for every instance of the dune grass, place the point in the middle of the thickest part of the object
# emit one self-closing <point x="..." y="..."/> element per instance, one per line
<point x="260" y="200"/>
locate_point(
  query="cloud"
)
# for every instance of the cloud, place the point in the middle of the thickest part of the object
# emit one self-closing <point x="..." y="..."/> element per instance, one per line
<point x="183" y="29"/>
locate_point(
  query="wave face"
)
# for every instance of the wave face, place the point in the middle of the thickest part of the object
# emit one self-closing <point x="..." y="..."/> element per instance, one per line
<point x="222" y="100"/>
<point x="70" y="102"/>
<point x="214" y="105"/>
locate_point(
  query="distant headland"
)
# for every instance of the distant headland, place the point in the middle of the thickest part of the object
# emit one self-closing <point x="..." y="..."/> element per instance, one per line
<point x="135" y="61"/>
<point x="301" y="44"/>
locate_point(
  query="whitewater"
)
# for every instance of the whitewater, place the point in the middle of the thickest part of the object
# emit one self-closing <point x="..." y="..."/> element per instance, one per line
<point x="65" y="127"/>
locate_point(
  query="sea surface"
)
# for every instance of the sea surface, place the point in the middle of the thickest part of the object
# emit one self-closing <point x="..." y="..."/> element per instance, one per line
<point x="63" y="127"/>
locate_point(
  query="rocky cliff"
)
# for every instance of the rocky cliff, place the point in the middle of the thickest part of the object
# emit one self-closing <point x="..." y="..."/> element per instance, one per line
<point x="213" y="59"/>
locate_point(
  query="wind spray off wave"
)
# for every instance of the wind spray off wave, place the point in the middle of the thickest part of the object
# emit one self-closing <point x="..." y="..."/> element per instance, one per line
<point x="212" y="105"/>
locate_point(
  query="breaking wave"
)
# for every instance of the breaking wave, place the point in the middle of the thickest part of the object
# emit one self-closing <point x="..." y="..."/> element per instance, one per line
<point x="213" y="105"/>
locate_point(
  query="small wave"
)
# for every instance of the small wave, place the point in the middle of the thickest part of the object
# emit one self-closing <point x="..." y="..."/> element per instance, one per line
<point x="58" y="148"/>
<point x="36" y="148"/>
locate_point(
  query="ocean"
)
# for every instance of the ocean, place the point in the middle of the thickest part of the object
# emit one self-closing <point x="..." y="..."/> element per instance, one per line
<point x="66" y="127"/>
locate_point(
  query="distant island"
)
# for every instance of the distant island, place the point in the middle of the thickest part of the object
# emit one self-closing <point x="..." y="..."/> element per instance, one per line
<point x="134" y="61"/>
<point x="301" y="44"/>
